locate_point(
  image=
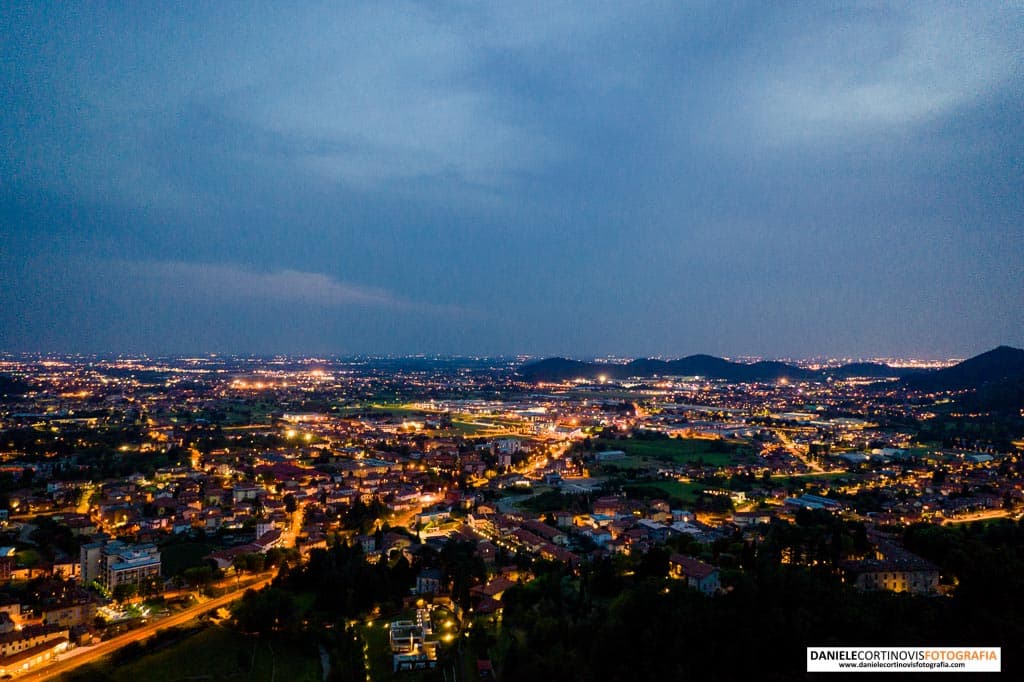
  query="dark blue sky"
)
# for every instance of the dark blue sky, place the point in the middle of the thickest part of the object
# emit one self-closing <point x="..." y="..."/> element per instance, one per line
<point x="573" y="178"/>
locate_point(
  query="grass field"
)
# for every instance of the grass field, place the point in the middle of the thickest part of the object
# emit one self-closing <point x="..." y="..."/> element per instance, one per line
<point x="378" y="652"/>
<point x="471" y="429"/>
<point x="397" y="410"/>
<point x="687" y="492"/>
<point x="632" y="462"/>
<point x="811" y="478"/>
<point x="678" y="450"/>
<point x="216" y="653"/>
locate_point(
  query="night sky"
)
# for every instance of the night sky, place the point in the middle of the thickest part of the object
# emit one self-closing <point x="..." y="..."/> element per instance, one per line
<point x="582" y="178"/>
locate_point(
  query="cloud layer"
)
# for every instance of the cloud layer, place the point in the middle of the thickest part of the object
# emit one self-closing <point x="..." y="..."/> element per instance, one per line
<point x="635" y="178"/>
<point x="232" y="284"/>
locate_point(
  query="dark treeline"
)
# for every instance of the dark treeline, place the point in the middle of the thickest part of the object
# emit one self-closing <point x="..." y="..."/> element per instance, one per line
<point x="345" y="585"/>
<point x="603" y="626"/>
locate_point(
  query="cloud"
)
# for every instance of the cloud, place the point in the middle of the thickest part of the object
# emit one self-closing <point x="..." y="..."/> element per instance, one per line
<point x="226" y="283"/>
<point x="531" y="160"/>
<point x="855" y="72"/>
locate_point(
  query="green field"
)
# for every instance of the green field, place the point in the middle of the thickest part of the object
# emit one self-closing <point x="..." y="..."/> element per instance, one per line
<point x="397" y="410"/>
<point x="215" y="653"/>
<point x="811" y="478"/>
<point x="687" y="492"/>
<point x="470" y="429"/>
<point x="678" y="450"/>
<point x="632" y="462"/>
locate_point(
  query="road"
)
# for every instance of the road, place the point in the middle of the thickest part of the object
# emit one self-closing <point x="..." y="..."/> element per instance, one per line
<point x="798" y="452"/>
<point x="290" y="534"/>
<point x="800" y="474"/>
<point x="978" y="516"/>
<point x="91" y="654"/>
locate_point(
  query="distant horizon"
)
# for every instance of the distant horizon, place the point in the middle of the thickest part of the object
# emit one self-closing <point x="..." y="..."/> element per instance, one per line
<point x="602" y="357"/>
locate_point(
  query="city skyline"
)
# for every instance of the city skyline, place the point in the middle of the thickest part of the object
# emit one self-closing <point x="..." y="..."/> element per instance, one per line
<point x="644" y="180"/>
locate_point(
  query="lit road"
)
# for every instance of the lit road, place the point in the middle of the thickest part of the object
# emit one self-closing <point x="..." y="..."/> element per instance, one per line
<point x="801" y="474"/>
<point x="94" y="653"/>
<point x="978" y="516"/>
<point x="290" y="534"/>
<point x="797" y="452"/>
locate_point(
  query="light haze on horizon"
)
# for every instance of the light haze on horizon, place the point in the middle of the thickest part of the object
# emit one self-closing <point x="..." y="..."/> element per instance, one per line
<point x="577" y="179"/>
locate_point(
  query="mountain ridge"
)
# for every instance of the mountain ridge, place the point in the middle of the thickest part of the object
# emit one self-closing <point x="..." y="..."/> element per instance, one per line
<point x="1001" y="363"/>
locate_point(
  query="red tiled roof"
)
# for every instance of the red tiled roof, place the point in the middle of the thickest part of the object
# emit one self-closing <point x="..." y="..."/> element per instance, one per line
<point x="690" y="567"/>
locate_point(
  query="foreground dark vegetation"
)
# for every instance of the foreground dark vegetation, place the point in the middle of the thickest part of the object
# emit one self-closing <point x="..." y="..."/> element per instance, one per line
<point x="614" y="619"/>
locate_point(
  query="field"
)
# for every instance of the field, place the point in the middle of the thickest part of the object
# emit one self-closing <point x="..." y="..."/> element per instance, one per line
<point x="687" y="492"/>
<point x="632" y="462"/>
<point x="215" y="653"/>
<point x="396" y="410"/>
<point x="811" y="478"/>
<point x="677" y="450"/>
<point x="470" y="429"/>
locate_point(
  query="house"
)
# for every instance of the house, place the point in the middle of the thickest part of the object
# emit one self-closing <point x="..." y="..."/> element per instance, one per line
<point x="682" y="515"/>
<point x="753" y="518"/>
<point x="907" y="573"/>
<point x="7" y="561"/>
<point x="697" y="574"/>
<point x="600" y="536"/>
<point x="545" y="531"/>
<point x="487" y="551"/>
<point x="368" y="543"/>
<point x="658" y="532"/>
<point x="76" y="610"/>
<point x="609" y="505"/>
<point x="310" y="542"/>
<point x="269" y="540"/>
<point x="494" y="588"/>
<point x="428" y="581"/>
<point x="33" y="645"/>
<point x="807" y="501"/>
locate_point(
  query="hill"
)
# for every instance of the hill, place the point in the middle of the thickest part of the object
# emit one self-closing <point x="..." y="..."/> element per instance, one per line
<point x="560" y="369"/>
<point x="997" y="366"/>
<point x="875" y="370"/>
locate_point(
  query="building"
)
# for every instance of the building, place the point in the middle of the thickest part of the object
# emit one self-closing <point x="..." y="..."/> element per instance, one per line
<point x="813" y="502"/>
<point x="428" y="581"/>
<point x="7" y="561"/>
<point x="129" y="564"/>
<point x="114" y="563"/>
<point x="71" y="612"/>
<point x="410" y="648"/>
<point x="90" y="555"/>
<point x="905" y="574"/>
<point x="697" y="574"/>
<point x="33" y="645"/>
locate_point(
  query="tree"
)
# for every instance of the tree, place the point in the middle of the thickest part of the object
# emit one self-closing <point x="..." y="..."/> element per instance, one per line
<point x="198" y="576"/>
<point x="125" y="591"/>
<point x="269" y="610"/>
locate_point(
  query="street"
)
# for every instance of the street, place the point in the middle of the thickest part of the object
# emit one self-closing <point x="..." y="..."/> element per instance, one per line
<point x="79" y="657"/>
